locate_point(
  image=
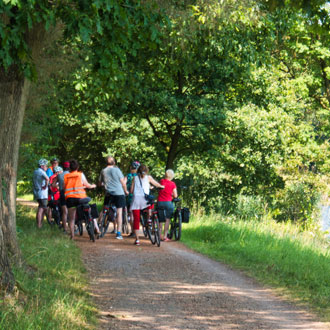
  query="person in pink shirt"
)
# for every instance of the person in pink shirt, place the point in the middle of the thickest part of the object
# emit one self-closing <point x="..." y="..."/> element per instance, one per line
<point x="165" y="197"/>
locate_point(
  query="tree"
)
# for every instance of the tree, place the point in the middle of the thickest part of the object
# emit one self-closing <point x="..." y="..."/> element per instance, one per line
<point x="116" y="28"/>
<point x="184" y="87"/>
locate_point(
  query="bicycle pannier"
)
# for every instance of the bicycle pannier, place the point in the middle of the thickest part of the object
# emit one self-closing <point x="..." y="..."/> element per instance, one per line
<point x="80" y="212"/>
<point x="185" y="214"/>
<point x="149" y="198"/>
<point x="94" y="212"/>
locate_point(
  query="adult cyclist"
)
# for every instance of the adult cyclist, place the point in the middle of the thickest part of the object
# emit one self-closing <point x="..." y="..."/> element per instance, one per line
<point x="40" y="189"/>
<point x="75" y="183"/>
<point x="114" y="183"/>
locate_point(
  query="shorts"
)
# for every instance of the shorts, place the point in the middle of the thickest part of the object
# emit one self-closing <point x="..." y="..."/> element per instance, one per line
<point x="168" y="207"/>
<point x="43" y="203"/>
<point x="62" y="199"/>
<point x="117" y="200"/>
<point x="74" y="202"/>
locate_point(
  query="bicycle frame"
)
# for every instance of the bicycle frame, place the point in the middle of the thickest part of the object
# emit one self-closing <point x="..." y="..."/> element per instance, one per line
<point x="105" y="221"/>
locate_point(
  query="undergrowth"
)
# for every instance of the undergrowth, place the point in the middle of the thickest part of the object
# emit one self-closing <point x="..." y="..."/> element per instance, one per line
<point x="51" y="289"/>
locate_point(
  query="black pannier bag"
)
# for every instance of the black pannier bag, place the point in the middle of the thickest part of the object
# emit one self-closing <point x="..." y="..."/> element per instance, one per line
<point x="93" y="208"/>
<point x="95" y="213"/>
<point x="80" y="212"/>
<point x="185" y="215"/>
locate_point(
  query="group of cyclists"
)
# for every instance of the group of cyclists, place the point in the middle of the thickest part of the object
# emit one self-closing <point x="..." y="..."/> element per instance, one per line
<point x="68" y="185"/>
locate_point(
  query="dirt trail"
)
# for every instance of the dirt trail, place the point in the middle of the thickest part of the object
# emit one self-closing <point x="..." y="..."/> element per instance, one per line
<point x="172" y="287"/>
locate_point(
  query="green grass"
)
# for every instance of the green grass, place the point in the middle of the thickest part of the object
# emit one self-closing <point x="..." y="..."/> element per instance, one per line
<point x="27" y="197"/>
<point x="297" y="263"/>
<point x="52" y="292"/>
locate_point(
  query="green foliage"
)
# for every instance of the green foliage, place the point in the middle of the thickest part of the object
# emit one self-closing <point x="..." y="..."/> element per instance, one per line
<point x="51" y="291"/>
<point x="297" y="202"/>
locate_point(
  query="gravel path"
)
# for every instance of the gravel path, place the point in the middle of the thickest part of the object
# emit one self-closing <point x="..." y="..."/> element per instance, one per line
<point x="171" y="287"/>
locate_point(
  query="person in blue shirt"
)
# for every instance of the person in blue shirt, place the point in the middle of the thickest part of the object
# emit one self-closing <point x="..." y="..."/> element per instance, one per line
<point x="40" y="190"/>
<point x="50" y="170"/>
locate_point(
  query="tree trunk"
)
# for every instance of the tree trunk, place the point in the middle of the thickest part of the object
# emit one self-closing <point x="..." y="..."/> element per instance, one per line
<point x="172" y="153"/>
<point x="13" y="96"/>
<point x="14" y="90"/>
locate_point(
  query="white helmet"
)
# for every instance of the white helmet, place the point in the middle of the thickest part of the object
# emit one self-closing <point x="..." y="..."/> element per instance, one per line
<point x="42" y="161"/>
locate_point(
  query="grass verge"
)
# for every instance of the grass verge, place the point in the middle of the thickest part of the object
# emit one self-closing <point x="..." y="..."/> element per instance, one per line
<point x="51" y="293"/>
<point x="297" y="263"/>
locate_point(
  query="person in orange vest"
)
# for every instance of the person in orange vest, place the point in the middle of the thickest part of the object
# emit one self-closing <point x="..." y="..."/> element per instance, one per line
<point x="75" y="183"/>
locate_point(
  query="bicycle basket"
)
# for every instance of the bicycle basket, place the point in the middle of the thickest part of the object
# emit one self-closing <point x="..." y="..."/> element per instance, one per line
<point x="185" y="214"/>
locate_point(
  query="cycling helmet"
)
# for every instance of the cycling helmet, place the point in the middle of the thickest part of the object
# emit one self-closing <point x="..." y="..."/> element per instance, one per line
<point x="54" y="160"/>
<point x="42" y="161"/>
<point x="135" y="164"/>
<point x="66" y="164"/>
<point x="58" y="169"/>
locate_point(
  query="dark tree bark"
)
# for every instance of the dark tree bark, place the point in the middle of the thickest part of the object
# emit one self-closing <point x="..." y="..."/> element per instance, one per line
<point x="13" y="95"/>
<point x="172" y="152"/>
<point x="14" y="89"/>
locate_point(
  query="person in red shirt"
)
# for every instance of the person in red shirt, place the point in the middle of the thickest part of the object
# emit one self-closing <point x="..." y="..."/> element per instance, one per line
<point x="53" y="192"/>
<point x="165" y="197"/>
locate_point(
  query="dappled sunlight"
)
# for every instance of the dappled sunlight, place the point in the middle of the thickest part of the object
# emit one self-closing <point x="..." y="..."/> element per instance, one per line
<point x="171" y="288"/>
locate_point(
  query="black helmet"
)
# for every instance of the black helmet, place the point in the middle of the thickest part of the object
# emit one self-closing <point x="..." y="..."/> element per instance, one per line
<point x="135" y="164"/>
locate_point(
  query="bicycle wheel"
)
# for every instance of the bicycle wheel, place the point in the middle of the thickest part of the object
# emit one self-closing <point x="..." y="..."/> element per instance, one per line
<point x="50" y="220"/>
<point x="90" y="229"/>
<point x="125" y="229"/>
<point x="80" y="227"/>
<point x="178" y="225"/>
<point x="144" y="221"/>
<point x="151" y="231"/>
<point x="57" y="216"/>
<point x="155" y="227"/>
<point x="172" y="228"/>
<point x="104" y="223"/>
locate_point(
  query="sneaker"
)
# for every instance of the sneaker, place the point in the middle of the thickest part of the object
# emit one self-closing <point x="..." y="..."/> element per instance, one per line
<point x="118" y="236"/>
<point x="113" y="232"/>
<point x="137" y="242"/>
<point x="131" y="235"/>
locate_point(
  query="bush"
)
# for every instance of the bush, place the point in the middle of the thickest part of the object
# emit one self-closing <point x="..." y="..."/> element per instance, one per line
<point x="297" y="202"/>
<point x="250" y="207"/>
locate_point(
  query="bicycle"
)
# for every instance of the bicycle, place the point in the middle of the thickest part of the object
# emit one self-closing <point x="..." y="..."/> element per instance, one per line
<point x="152" y="227"/>
<point x="144" y="216"/>
<point x="176" y="221"/>
<point x="109" y="215"/>
<point x="85" y="215"/>
<point x="56" y="211"/>
<point x="125" y="222"/>
<point x="154" y="231"/>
